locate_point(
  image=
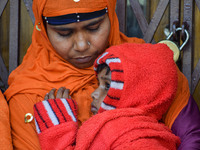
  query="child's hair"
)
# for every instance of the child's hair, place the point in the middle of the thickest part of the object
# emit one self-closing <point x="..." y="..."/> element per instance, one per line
<point x="101" y="67"/>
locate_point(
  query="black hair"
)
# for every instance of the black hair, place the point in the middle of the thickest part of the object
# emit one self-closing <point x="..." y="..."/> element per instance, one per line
<point x="101" y="67"/>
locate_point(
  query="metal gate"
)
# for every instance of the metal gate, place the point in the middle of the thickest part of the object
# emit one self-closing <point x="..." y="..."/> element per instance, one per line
<point x="177" y="18"/>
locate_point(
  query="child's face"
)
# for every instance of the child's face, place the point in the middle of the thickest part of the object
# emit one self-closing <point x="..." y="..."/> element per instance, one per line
<point x="82" y="42"/>
<point x="100" y="93"/>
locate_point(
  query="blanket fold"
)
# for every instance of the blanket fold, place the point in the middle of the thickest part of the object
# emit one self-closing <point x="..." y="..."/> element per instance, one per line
<point x="126" y="128"/>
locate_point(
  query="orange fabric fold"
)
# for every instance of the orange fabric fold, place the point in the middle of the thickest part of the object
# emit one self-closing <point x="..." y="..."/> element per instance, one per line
<point x="5" y="138"/>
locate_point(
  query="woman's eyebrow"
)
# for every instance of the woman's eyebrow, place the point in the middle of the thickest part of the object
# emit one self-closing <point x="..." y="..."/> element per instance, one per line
<point x="95" y="22"/>
<point x="62" y="28"/>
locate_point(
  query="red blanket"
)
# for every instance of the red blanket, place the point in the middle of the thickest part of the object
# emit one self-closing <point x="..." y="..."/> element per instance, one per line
<point x="143" y="86"/>
<point x="126" y="128"/>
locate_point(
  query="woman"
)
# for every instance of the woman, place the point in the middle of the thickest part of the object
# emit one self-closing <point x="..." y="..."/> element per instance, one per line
<point x="67" y="37"/>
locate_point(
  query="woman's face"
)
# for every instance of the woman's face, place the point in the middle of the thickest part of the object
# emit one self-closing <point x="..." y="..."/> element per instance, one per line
<point x="82" y="42"/>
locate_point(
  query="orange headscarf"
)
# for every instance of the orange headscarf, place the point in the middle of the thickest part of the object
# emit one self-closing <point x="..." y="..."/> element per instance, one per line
<point x="43" y="69"/>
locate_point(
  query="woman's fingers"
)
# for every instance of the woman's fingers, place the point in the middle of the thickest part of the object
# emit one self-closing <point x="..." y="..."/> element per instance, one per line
<point x="52" y="94"/>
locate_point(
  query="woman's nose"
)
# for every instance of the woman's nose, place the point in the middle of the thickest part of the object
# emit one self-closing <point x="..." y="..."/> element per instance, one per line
<point x="81" y="43"/>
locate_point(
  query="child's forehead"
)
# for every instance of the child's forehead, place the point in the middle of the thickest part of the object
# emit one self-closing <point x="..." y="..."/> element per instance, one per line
<point x="105" y="73"/>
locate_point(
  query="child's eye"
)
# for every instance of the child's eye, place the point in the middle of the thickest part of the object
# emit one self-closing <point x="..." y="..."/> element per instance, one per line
<point x="107" y="86"/>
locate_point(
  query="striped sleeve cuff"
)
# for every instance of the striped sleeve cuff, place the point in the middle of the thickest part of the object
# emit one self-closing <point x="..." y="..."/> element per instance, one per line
<point x="51" y="112"/>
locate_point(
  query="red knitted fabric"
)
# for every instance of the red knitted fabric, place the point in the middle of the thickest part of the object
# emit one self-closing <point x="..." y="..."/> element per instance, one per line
<point x="49" y="113"/>
<point x="125" y="129"/>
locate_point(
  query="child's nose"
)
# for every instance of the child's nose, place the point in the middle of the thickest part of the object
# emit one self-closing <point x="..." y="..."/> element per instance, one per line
<point x="95" y="95"/>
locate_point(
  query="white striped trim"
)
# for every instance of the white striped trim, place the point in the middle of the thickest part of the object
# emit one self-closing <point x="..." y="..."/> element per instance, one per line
<point x="104" y="54"/>
<point x="37" y="127"/>
<point x="69" y="111"/>
<point x="116" y="85"/>
<point x="115" y="60"/>
<point x="50" y="112"/>
<point x="106" y="107"/>
<point x="95" y="69"/>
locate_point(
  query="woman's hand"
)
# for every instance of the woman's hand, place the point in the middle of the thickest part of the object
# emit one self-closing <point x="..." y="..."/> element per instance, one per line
<point x="62" y="92"/>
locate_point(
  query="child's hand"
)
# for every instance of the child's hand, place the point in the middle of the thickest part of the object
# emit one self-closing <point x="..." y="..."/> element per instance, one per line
<point x="52" y="112"/>
<point x="62" y="92"/>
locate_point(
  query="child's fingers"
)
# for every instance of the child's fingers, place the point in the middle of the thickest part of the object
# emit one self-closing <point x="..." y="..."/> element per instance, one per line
<point x="46" y="96"/>
<point x="66" y="94"/>
<point x="52" y="94"/>
<point x="60" y="92"/>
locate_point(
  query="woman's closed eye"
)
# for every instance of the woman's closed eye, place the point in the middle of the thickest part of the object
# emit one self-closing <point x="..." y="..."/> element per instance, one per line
<point x="93" y="28"/>
<point x="65" y="34"/>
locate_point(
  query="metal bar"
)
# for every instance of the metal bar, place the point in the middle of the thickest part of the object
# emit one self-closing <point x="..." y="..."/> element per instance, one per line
<point x="155" y="20"/>
<point x="121" y="13"/>
<point x="188" y="49"/>
<point x="198" y="3"/>
<point x="2" y="6"/>
<point x="13" y="35"/>
<point x="3" y="73"/>
<point x="1" y="84"/>
<point x="174" y="12"/>
<point x="139" y="15"/>
<point x="195" y="76"/>
<point x="28" y="4"/>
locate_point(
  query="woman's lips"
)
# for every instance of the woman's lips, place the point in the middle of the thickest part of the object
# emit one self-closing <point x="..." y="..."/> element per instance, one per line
<point x="83" y="60"/>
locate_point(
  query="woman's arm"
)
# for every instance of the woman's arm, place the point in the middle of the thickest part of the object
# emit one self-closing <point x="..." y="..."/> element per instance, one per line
<point x="24" y="135"/>
<point x="187" y="126"/>
<point x="5" y="130"/>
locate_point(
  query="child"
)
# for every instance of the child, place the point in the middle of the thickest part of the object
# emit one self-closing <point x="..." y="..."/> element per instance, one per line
<point x="135" y="88"/>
